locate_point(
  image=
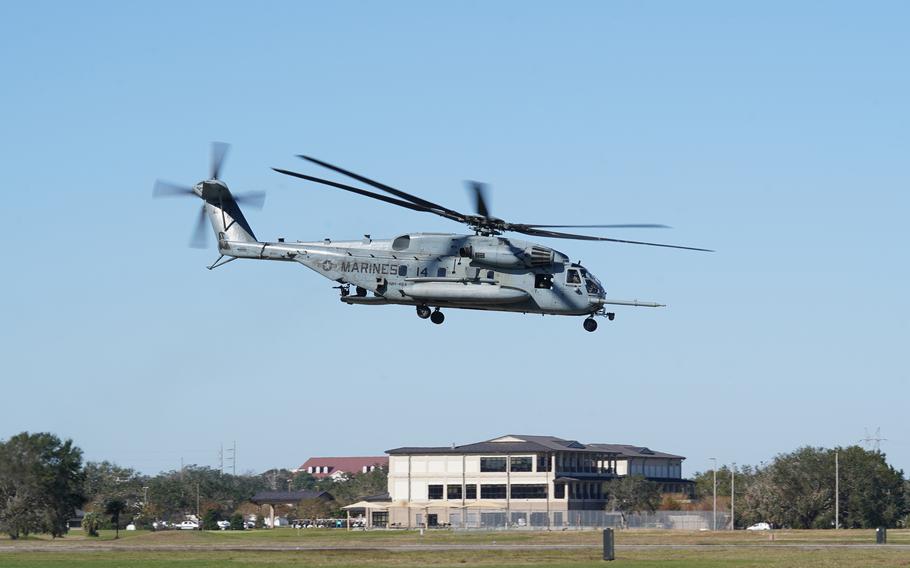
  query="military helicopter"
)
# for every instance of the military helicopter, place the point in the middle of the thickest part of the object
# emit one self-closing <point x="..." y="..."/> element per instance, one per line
<point x="483" y="271"/>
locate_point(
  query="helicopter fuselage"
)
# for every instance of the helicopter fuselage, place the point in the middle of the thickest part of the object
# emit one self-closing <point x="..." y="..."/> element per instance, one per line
<point x="442" y="270"/>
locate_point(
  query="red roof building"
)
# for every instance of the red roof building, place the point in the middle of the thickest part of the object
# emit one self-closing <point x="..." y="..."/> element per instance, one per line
<point x="336" y="467"/>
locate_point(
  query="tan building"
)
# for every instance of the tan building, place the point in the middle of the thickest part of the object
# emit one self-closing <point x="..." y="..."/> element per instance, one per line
<point x="513" y="480"/>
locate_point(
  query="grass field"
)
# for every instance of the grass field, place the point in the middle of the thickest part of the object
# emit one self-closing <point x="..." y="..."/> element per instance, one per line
<point x="288" y="547"/>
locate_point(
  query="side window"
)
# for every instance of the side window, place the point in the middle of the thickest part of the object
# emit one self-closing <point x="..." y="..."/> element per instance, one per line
<point x="440" y="272"/>
<point x="544" y="281"/>
<point x="572" y="277"/>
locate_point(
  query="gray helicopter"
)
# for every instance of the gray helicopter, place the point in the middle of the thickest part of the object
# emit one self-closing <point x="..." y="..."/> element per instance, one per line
<point x="431" y="271"/>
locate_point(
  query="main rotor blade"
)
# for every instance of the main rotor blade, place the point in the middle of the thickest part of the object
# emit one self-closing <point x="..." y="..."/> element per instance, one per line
<point x="386" y="188"/>
<point x="219" y="151"/>
<point x="480" y="202"/>
<point x="200" y="236"/>
<point x="253" y="199"/>
<point x="626" y="226"/>
<point x="363" y="192"/>
<point x="556" y="235"/>
<point x="167" y="189"/>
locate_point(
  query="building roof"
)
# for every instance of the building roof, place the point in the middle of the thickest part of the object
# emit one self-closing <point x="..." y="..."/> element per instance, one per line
<point x="629" y="451"/>
<point x="350" y="464"/>
<point x="522" y="443"/>
<point x="282" y="497"/>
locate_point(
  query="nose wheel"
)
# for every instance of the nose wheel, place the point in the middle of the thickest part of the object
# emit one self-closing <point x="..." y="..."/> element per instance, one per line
<point x="437" y="317"/>
<point x="423" y="312"/>
<point x="590" y="324"/>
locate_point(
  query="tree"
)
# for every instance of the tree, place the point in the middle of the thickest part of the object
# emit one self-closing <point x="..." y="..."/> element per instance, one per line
<point x="313" y="509"/>
<point x="41" y="484"/>
<point x="114" y="508"/>
<point x="871" y="491"/>
<point x="91" y="522"/>
<point x="632" y="494"/>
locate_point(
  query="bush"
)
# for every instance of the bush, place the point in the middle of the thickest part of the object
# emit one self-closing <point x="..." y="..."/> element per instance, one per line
<point x="91" y="522"/>
<point x="237" y="522"/>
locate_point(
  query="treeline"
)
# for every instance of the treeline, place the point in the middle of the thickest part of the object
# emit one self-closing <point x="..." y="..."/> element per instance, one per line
<point x="43" y="482"/>
<point x="797" y="490"/>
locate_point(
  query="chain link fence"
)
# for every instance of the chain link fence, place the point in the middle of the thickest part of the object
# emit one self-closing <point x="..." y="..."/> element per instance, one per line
<point x="572" y="520"/>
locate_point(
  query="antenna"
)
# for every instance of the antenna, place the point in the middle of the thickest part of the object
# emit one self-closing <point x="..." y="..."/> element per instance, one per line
<point x="873" y="442"/>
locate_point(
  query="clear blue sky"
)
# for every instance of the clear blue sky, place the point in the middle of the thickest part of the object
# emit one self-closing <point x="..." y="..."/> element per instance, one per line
<point x="776" y="132"/>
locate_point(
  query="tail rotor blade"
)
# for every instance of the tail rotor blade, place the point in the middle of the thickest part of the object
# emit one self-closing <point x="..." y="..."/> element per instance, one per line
<point x="219" y="151"/>
<point x="480" y="201"/>
<point x="167" y="189"/>
<point x="200" y="232"/>
<point x="253" y="199"/>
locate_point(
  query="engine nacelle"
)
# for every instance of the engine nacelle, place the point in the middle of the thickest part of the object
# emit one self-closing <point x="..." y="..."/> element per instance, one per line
<point x="504" y="256"/>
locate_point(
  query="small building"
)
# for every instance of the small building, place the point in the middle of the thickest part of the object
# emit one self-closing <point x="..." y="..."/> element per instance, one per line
<point x="287" y="498"/>
<point x="514" y="480"/>
<point x="339" y="467"/>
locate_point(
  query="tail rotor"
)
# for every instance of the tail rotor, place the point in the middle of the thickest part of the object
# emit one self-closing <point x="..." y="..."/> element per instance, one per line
<point x="218" y="202"/>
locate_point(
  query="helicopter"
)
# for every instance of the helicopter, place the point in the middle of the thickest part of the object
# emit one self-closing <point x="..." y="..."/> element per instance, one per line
<point x="486" y="270"/>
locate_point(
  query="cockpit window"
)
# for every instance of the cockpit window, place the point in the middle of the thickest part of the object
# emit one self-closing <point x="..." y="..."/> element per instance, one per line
<point x="572" y="277"/>
<point x="591" y="286"/>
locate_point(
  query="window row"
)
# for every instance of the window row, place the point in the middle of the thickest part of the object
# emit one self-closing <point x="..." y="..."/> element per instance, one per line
<point x="487" y="491"/>
<point x="515" y="464"/>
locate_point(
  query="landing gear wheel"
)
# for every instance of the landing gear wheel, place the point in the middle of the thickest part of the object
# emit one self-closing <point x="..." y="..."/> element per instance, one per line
<point x="437" y="317"/>
<point x="361" y="292"/>
<point x="610" y="316"/>
<point x="423" y="312"/>
<point x="590" y="324"/>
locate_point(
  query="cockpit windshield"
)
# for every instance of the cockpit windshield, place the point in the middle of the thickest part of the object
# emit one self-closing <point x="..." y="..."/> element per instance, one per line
<point x="592" y="285"/>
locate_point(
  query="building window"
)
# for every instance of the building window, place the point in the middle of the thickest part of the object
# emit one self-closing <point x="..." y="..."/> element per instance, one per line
<point x="543" y="463"/>
<point x="560" y="491"/>
<point x="453" y="492"/>
<point x="492" y="464"/>
<point x="497" y="491"/>
<point x="470" y="491"/>
<point x="520" y="464"/>
<point x="434" y="491"/>
<point x="537" y="491"/>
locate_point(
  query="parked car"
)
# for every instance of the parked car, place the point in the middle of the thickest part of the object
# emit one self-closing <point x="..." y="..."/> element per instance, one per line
<point x="188" y="526"/>
<point x="759" y="527"/>
<point x="224" y="525"/>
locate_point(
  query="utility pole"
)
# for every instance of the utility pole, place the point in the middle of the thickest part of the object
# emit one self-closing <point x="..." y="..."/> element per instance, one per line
<point x="836" y="490"/>
<point x="733" y="497"/>
<point x="714" y="508"/>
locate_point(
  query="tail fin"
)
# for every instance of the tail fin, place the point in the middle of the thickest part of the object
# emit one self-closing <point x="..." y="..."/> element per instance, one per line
<point x="225" y="215"/>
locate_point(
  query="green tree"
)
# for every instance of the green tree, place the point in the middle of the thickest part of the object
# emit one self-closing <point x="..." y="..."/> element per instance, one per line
<point x="115" y="507"/>
<point x="91" y="522"/>
<point x="41" y="484"/>
<point x="632" y="494"/>
<point x="871" y="491"/>
<point x="237" y="522"/>
<point x="210" y="519"/>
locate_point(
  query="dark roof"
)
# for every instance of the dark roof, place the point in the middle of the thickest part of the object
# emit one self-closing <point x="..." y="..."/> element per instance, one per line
<point x="510" y="443"/>
<point x="629" y="451"/>
<point x="378" y="498"/>
<point x="522" y="443"/>
<point x="279" y="497"/>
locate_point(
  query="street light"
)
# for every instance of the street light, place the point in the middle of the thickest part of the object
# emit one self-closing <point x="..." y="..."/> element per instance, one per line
<point x="733" y="497"/>
<point x="714" y="508"/>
